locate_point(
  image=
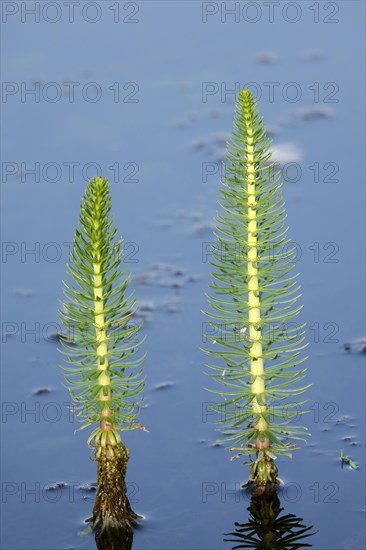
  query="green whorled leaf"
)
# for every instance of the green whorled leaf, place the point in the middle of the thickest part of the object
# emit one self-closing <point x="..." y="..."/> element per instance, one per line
<point x="95" y="242"/>
<point x="283" y="339"/>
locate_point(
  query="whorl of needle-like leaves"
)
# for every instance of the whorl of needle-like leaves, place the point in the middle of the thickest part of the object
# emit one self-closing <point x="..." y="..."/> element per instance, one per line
<point x="256" y="341"/>
<point x="101" y="341"/>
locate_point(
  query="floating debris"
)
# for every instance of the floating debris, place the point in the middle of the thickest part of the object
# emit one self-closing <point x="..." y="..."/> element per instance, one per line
<point x="203" y="228"/>
<point x="176" y="284"/>
<point x="23" y="293"/>
<point x="164" y="224"/>
<point x="314" y="112"/>
<point x="89" y="487"/>
<point x="178" y="272"/>
<point x="272" y="130"/>
<point x="266" y="58"/>
<point x="163" y="275"/>
<point x="55" y="486"/>
<point x="161" y="266"/>
<point x="164" y="385"/>
<point x="344" y="420"/>
<point x="192" y="278"/>
<point x="41" y="391"/>
<point x="347" y="460"/>
<point x="170" y="305"/>
<point x="221" y="138"/>
<point x="359" y="344"/>
<point x="143" y="279"/>
<point x="198" y="144"/>
<point x="144" y="405"/>
<point x="195" y="215"/>
<point x="146" y="305"/>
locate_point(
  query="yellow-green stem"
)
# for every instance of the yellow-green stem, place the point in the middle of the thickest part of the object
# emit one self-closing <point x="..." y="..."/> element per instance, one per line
<point x="102" y="349"/>
<point x="255" y="334"/>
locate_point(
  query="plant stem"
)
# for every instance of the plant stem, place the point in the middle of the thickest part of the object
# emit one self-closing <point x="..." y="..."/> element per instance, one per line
<point x="101" y="387"/>
<point x="255" y="334"/>
<point x="101" y="335"/>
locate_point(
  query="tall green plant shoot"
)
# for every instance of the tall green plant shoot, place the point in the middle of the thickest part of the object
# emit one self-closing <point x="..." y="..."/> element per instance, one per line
<point x="103" y="373"/>
<point x="256" y="342"/>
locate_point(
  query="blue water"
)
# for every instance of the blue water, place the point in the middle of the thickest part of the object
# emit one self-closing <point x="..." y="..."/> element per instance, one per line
<point x="168" y="61"/>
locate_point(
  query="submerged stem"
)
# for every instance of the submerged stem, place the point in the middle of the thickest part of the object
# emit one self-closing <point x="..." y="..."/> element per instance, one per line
<point x="112" y="512"/>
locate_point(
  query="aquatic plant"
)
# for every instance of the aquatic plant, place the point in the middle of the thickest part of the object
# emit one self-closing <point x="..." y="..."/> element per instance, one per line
<point x="104" y="376"/>
<point x="347" y="460"/>
<point x="256" y="343"/>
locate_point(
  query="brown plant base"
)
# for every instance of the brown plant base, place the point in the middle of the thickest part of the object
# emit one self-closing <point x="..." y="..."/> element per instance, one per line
<point x="113" y="517"/>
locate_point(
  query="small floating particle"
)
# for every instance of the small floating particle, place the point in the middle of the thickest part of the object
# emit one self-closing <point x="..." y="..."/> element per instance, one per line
<point x="55" y="486"/>
<point x="272" y="130"/>
<point x="314" y="112"/>
<point x="143" y="279"/>
<point x="144" y="405"/>
<point x="90" y="487"/>
<point x="177" y="284"/>
<point x="164" y="385"/>
<point x="204" y="227"/>
<point x="172" y="283"/>
<point x="195" y="215"/>
<point x="41" y="391"/>
<point x="198" y="144"/>
<point x="23" y="293"/>
<point x="164" y="224"/>
<point x="360" y="344"/>
<point x="170" y="305"/>
<point x="146" y="305"/>
<point x="266" y="58"/>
